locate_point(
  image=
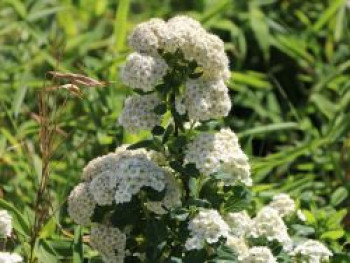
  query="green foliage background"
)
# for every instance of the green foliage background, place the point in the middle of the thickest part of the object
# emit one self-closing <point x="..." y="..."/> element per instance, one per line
<point x="290" y="88"/>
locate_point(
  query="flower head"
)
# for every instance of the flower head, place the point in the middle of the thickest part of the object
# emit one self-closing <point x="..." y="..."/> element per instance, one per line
<point x="239" y="222"/>
<point x="143" y="72"/>
<point x="269" y="224"/>
<point x="110" y="242"/>
<point x="206" y="99"/>
<point x="312" y="251"/>
<point x="220" y="153"/>
<point x="148" y="37"/>
<point x="208" y="226"/>
<point x="259" y="255"/>
<point x="81" y="204"/>
<point x="283" y="204"/>
<point x="138" y="113"/>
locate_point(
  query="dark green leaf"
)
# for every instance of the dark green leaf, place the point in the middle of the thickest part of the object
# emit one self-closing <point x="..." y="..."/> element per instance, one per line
<point x="158" y="130"/>
<point x="160" y="109"/>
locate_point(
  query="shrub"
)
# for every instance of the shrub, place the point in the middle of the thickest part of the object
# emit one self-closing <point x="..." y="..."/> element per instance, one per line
<point x="182" y="195"/>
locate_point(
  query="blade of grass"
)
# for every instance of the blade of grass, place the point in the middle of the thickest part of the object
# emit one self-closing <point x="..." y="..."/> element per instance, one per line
<point x="270" y="128"/>
<point x="121" y="24"/>
<point x="328" y="14"/>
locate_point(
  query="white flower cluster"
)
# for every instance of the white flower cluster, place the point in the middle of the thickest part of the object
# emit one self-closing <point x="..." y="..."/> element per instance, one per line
<point x="114" y="178"/>
<point x="143" y="72"/>
<point x="312" y="251"/>
<point x="6" y="257"/>
<point x="206" y="99"/>
<point x="269" y="224"/>
<point x="208" y="226"/>
<point x="5" y="223"/>
<point x="240" y="223"/>
<point x="138" y="113"/>
<point x="81" y="204"/>
<point x="239" y="246"/>
<point x="221" y="153"/>
<point x="149" y="37"/>
<point x="264" y="224"/>
<point x="259" y="255"/>
<point x="135" y="173"/>
<point x="185" y="34"/>
<point x="283" y="204"/>
<point x="110" y="242"/>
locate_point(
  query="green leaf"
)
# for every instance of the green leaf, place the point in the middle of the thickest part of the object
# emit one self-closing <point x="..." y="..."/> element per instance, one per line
<point x="127" y="213"/>
<point x="333" y="235"/>
<point x="154" y="195"/>
<point x="335" y="220"/>
<point x="195" y="256"/>
<point x="270" y="128"/>
<point x="340" y="194"/>
<point x="303" y="230"/>
<point x="251" y="79"/>
<point x="45" y="252"/>
<point x="169" y="130"/>
<point x="239" y="199"/>
<point x="261" y="29"/>
<point x="190" y="169"/>
<point x="19" y="7"/>
<point x="310" y="218"/>
<point x="193" y="186"/>
<point x="196" y="75"/>
<point x="148" y="144"/>
<point x="215" y="10"/>
<point x="121" y="24"/>
<point x="18" y="100"/>
<point x="224" y="254"/>
<point x="176" y="166"/>
<point x="78" y="251"/>
<point x="20" y="223"/>
<point x="156" y="234"/>
<point x="158" y="130"/>
<point x="328" y="14"/>
<point x="160" y="109"/>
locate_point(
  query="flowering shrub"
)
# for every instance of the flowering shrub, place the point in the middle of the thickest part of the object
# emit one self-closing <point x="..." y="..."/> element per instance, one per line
<point x="182" y="195"/>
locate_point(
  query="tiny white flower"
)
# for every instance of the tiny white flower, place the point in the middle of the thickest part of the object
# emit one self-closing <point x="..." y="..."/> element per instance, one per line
<point x="81" y="204"/>
<point x="239" y="245"/>
<point x="138" y="113"/>
<point x="110" y="242"/>
<point x="283" y="204"/>
<point x="143" y="72"/>
<point x="206" y="99"/>
<point x="269" y="224"/>
<point x="5" y="223"/>
<point x="148" y="37"/>
<point x="312" y="251"/>
<point x="239" y="222"/>
<point x="208" y="226"/>
<point x="259" y="255"/>
<point x="221" y="153"/>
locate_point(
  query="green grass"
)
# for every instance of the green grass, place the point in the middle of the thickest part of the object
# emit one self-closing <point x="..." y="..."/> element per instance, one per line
<point x="290" y="89"/>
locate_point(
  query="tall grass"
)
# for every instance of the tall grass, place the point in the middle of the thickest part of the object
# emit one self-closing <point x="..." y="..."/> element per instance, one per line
<point x="290" y="88"/>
